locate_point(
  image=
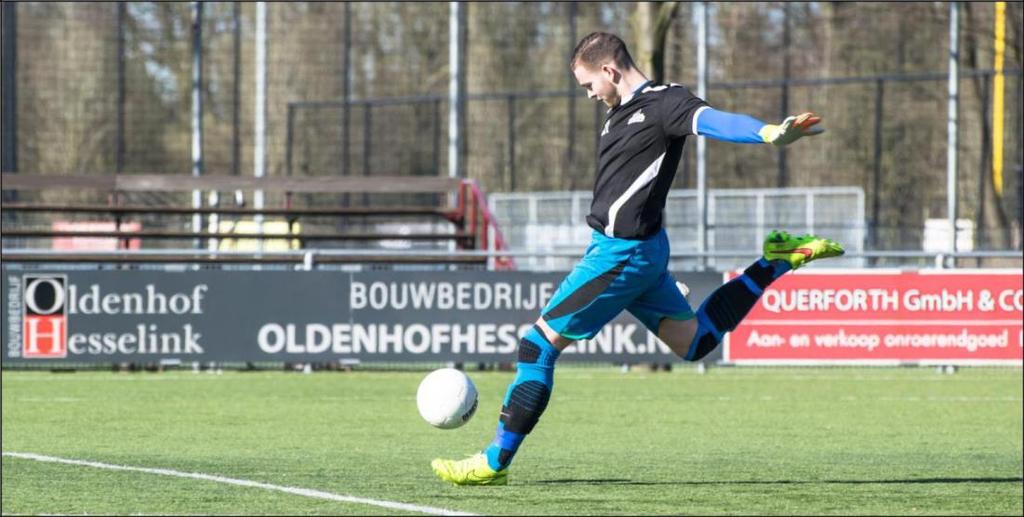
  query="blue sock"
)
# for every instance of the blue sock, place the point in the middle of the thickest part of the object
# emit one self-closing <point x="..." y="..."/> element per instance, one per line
<point x="526" y="398"/>
<point x="723" y="310"/>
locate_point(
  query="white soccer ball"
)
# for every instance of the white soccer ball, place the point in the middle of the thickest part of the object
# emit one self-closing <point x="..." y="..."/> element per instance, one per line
<point x="446" y="398"/>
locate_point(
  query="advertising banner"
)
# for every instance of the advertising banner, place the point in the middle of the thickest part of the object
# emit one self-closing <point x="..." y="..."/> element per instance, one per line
<point x="884" y="317"/>
<point x="296" y="316"/>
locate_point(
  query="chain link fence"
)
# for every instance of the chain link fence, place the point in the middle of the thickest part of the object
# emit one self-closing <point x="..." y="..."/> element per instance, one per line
<point x="360" y="89"/>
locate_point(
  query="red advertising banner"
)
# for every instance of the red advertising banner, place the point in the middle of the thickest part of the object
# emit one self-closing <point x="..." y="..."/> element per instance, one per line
<point x="873" y="316"/>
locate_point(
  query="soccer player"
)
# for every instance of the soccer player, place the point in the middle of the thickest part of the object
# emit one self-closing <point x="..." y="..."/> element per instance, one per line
<point x="626" y="264"/>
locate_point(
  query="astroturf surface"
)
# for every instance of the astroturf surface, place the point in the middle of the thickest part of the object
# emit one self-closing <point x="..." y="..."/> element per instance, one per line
<point x="891" y="441"/>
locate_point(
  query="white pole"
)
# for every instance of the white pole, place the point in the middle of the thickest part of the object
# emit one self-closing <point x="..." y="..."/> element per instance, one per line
<point x="951" y="129"/>
<point x="259" y="157"/>
<point x="197" y="113"/>
<point x="454" y="91"/>
<point x="702" y="84"/>
<point x="455" y="96"/>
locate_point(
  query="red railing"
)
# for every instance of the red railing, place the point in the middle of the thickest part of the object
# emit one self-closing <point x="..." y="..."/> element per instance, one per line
<point x="472" y="211"/>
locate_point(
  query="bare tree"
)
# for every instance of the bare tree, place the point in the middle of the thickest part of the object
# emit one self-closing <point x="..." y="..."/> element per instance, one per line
<point x="651" y="22"/>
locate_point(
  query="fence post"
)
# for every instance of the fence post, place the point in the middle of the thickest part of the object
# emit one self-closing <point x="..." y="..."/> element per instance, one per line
<point x="491" y="248"/>
<point x="512" y="143"/>
<point x="236" y="100"/>
<point x="289" y="139"/>
<point x="9" y="82"/>
<point x="476" y="220"/>
<point x="877" y="180"/>
<point x="571" y="136"/>
<point x="367" y="144"/>
<point x="346" y="94"/>
<point x="457" y="90"/>
<point x="115" y="200"/>
<point x="119" y="159"/>
<point x="197" y="112"/>
<point x="984" y="166"/>
<point x="783" y="178"/>
<point x="260" y="115"/>
<point x="437" y="137"/>
<point x="952" y="124"/>
<point x="702" y="92"/>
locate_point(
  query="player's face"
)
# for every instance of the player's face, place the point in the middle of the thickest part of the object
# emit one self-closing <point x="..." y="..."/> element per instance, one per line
<point x="599" y="84"/>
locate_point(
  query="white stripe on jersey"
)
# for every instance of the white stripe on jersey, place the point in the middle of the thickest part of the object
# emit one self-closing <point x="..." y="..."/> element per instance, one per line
<point x="697" y="114"/>
<point x="640" y="182"/>
<point x="670" y="85"/>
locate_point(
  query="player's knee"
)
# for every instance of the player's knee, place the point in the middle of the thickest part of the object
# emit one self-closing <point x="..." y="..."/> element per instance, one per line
<point x="677" y="334"/>
<point x="560" y="343"/>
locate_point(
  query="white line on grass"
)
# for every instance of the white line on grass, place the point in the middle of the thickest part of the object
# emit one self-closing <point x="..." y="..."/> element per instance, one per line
<point x="305" y="492"/>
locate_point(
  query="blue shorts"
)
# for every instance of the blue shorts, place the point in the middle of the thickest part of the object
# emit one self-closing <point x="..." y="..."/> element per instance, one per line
<point x="617" y="274"/>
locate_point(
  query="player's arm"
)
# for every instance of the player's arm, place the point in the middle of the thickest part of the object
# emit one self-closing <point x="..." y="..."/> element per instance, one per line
<point x="744" y="129"/>
<point x="683" y="113"/>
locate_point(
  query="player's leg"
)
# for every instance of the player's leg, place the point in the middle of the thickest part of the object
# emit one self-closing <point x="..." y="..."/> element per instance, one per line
<point x="527" y="395"/>
<point x="664" y="310"/>
<point x="591" y="296"/>
<point x="525" y="400"/>
<point x="723" y="310"/>
<point x="597" y="289"/>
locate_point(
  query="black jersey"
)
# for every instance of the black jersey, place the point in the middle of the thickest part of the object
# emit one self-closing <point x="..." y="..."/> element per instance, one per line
<point x="640" y="146"/>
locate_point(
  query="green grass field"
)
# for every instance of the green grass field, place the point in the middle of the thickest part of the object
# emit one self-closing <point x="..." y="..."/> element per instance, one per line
<point x="732" y="441"/>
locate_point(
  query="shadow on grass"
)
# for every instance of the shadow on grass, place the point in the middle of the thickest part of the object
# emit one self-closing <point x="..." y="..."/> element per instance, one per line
<point x="614" y="481"/>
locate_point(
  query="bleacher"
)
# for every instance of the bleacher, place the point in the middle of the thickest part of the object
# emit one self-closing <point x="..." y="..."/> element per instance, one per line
<point x="430" y="219"/>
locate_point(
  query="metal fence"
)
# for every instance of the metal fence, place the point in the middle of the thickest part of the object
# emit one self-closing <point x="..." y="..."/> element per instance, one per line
<point x="543" y="261"/>
<point x="896" y="209"/>
<point x="738" y="220"/>
<point x="358" y="88"/>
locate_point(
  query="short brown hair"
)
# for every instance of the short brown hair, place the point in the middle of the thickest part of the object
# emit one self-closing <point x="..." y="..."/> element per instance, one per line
<point x="597" y="48"/>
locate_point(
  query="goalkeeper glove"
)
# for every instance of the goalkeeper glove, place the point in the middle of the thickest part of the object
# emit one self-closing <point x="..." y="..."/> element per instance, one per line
<point x="791" y="129"/>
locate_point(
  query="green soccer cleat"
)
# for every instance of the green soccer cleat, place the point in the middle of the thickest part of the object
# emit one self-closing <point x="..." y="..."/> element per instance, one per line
<point x="473" y="470"/>
<point x="799" y="250"/>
